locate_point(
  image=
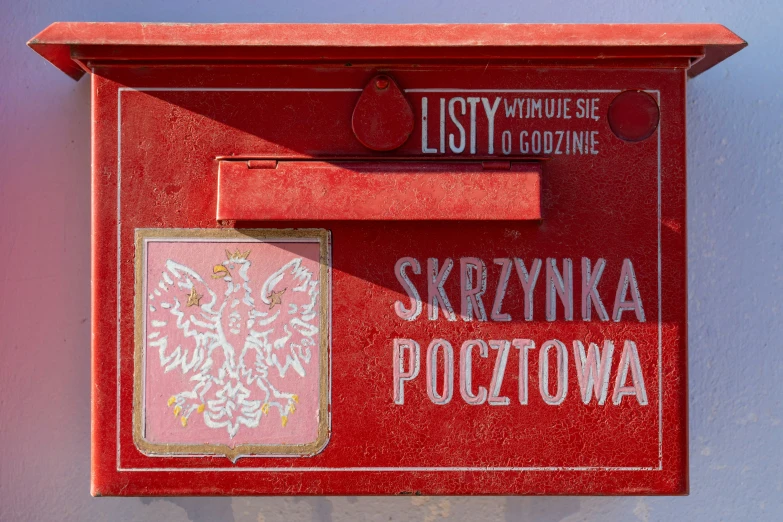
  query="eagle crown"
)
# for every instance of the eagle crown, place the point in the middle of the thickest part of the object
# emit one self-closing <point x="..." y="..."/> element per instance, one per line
<point x="237" y="255"/>
<point x="221" y="271"/>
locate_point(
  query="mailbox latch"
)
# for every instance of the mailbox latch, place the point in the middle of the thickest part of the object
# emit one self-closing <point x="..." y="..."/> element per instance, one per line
<point x="261" y="164"/>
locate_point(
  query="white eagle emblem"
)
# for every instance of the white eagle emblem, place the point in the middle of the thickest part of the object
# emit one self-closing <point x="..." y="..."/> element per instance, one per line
<point x="233" y="340"/>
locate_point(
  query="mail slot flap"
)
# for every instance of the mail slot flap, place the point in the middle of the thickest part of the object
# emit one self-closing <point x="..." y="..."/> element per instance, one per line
<point x="310" y="190"/>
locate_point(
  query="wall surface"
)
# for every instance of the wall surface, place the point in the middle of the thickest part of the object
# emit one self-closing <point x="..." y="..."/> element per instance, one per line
<point x="735" y="200"/>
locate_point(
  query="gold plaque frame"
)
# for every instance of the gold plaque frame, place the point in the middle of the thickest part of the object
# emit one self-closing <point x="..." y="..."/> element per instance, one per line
<point x="322" y="237"/>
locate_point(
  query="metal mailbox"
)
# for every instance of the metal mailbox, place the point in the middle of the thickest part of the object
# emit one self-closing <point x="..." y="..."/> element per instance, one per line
<point x="363" y="259"/>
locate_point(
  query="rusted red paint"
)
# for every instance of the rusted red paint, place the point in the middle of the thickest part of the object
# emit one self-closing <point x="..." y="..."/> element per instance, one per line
<point x="511" y="170"/>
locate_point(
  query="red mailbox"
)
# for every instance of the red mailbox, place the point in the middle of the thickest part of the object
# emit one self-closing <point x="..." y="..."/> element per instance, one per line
<point x="363" y="259"/>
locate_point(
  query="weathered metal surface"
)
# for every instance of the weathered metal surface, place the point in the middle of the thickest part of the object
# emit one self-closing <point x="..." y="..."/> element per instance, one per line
<point x="299" y="190"/>
<point x="71" y="46"/>
<point x="332" y="335"/>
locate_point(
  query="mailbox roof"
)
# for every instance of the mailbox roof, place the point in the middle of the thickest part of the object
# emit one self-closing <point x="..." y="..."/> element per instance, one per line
<point x="73" y="46"/>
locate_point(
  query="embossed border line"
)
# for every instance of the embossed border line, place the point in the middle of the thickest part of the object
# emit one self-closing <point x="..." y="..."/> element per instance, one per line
<point x="291" y="469"/>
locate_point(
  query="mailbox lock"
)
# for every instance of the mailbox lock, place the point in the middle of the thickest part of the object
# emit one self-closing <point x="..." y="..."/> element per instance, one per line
<point x="383" y="118"/>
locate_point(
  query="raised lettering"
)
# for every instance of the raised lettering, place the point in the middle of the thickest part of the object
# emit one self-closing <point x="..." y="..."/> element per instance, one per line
<point x="401" y="376"/>
<point x="408" y="314"/>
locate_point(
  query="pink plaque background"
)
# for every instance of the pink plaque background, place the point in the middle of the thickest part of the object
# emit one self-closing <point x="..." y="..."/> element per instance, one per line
<point x="161" y="425"/>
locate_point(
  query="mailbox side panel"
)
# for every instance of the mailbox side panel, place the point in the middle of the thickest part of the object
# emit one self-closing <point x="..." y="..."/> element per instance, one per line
<point x="105" y="478"/>
<point x="162" y="133"/>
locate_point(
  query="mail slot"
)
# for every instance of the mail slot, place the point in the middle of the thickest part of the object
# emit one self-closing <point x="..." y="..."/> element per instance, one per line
<point x="302" y="190"/>
<point x="421" y="259"/>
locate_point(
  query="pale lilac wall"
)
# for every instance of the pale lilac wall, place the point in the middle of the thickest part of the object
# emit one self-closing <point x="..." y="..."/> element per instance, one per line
<point x="735" y="250"/>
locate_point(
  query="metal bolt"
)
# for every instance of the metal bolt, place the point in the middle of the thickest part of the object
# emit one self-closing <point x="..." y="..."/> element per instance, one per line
<point x="381" y="83"/>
